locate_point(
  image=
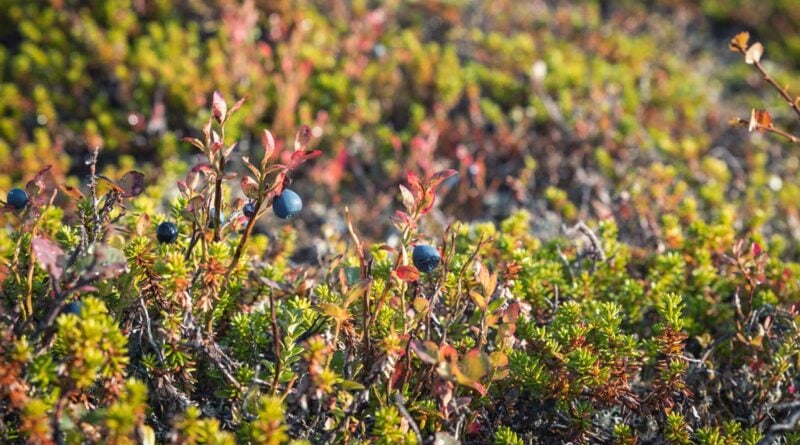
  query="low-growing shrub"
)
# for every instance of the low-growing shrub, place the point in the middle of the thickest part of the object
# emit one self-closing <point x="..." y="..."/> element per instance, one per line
<point x="121" y="324"/>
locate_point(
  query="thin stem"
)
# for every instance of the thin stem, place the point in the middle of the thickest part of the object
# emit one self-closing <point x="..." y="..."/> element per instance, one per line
<point x="771" y="129"/>
<point x="29" y="278"/>
<point x="782" y="90"/>
<point x="93" y="191"/>
<point x="237" y="254"/>
<point x="218" y="199"/>
<point x="276" y="341"/>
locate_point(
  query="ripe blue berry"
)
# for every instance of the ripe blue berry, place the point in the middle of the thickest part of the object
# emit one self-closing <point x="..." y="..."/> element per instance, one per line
<point x="17" y="198"/>
<point x="287" y="205"/>
<point x="73" y="308"/>
<point x="249" y="210"/>
<point x="167" y="232"/>
<point x="426" y="258"/>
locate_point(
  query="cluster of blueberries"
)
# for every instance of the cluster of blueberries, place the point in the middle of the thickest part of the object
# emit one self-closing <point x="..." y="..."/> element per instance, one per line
<point x="286" y="206"/>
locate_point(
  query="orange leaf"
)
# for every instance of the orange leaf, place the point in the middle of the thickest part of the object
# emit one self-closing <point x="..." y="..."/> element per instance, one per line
<point x="739" y="42"/>
<point x="408" y="273"/>
<point x="760" y="120"/>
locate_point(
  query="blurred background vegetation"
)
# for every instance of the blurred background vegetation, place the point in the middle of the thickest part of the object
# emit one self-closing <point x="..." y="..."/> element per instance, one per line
<point x="583" y="109"/>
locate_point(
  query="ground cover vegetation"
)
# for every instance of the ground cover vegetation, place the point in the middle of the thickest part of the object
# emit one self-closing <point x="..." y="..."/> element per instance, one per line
<point x="399" y="222"/>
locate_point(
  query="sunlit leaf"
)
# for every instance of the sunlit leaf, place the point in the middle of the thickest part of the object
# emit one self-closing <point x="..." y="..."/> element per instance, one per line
<point x="478" y="299"/>
<point x="475" y="364"/>
<point x="760" y="120"/>
<point x="337" y="313"/>
<point x="739" y="42"/>
<point x="408" y="198"/>
<point x="408" y="273"/>
<point x="754" y="53"/>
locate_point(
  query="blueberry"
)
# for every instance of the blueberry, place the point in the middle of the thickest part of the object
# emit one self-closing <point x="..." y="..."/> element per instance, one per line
<point x="17" y="198"/>
<point x="287" y="205"/>
<point x="249" y="210"/>
<point x="167" y="232"/>
<point x="426" y="258"/>
<point x="76" y="307"/>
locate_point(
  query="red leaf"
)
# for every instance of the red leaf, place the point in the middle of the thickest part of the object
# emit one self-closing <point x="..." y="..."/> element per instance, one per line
<point x="408" y="273"/>
<point x="218" y="107"/>
<point x="478" y="387"/>
<point x="415" y="185"/>
<point x="302" y="156"/>
<point x="269" y="147"/>
<point x="438" y="177"/>
<point x="756" y="249"/>
<point x="402" y="217"/>
<point x="397" y="375"/>
<point x="203" y="168"/>
<point x="49" y="255"/>
<point x="429" y="200"/>
<point x="280" y="180"/>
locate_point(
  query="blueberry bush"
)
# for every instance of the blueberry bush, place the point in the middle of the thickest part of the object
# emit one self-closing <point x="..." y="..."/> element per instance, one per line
<point x="491" y="222"/>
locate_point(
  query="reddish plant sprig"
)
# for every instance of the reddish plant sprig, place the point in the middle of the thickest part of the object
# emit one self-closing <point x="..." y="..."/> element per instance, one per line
<point x="761" y="120"/>
<point x="418" y="199"/>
